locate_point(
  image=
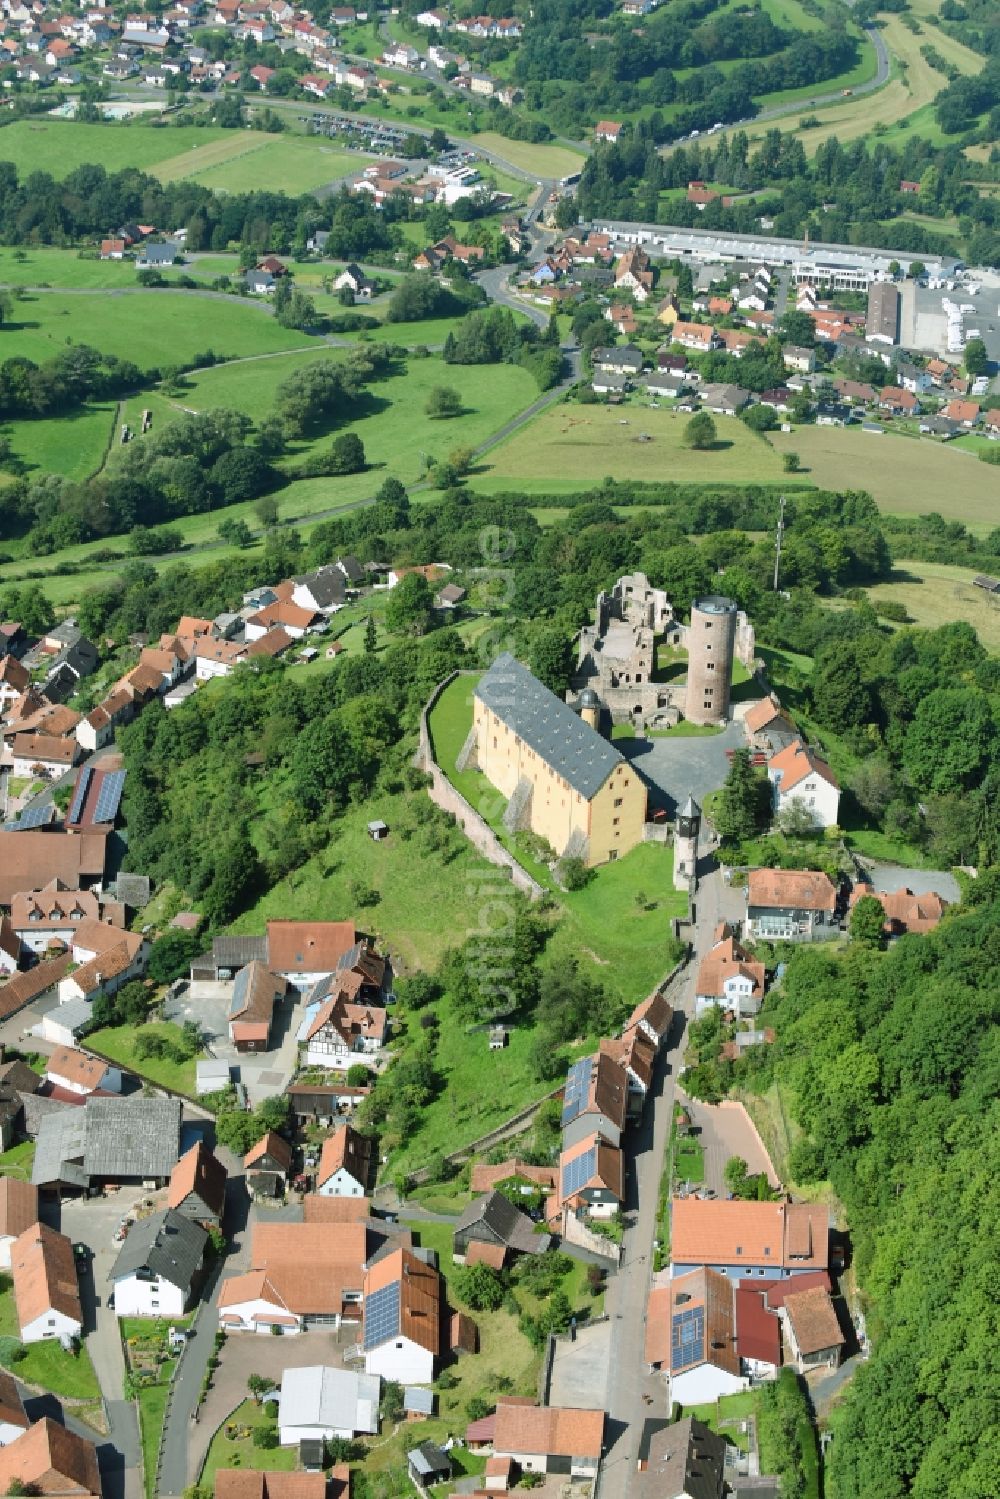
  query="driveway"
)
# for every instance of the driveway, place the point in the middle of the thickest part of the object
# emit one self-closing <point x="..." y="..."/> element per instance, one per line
<point x="723" y="1132"/>
<point x="890" y="877"/>
<point x="207" y="1004"/>
<point x="580" y="1369"/>
<point x="678" y="764"/>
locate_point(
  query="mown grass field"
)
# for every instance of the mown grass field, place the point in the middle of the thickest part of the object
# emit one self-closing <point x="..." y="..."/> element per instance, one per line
<point x="568" y="444"/>
<point x="540" y="161"/>
<point x="240" y="1452"/>
<point x="150" y="327"/>
<point x="906" y="475"/>
<point x="251" y="160"/>
<point x="117" y="1042"/>
<point x="44" y="144"/>
<point x="73" y="445"/>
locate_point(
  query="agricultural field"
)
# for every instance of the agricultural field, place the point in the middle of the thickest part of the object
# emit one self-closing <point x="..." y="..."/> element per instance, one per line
<point x="60" y="146"/>
<point x="570" y="444"/>
<point x="910" y="91"/>
<point x="150" y="327"/>
<point x="906" y="475"/>
<point x="73" y="444"/>
<point x="935" y="593"/>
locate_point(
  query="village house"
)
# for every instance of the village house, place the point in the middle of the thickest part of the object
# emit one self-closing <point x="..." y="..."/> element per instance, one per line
<point x="47" y="918"/>
<point x="729" y="978"/>
<point x="594" y="1100"/>
<point x="492" y="1230"/>
<point x="267" y="1165"/>
<point x="550" y="1439"/>
<point x="338" y="1029"/>
<point x="790" y="904"/>
<point x="904" y="911"/>
<point x="81" y="1075"/>
<point x="13" y="1420"/>
<point x="591" y="1181"/>
<point x="800" y="780"/>
<point x="897" y="401"/>
<point x="402" y="1336"/>
<point x="762" y="1240"/>
<point x="46" y="1290"/>
<point x="607" y="131"/>
<point x="625" y="360"/>
<point x="681" y="1460"/>
<point x="691" y="1337"/>
<point x="814" y="1332"/>
<point x="108" y="959"/>
<point x="159" y="1266"/>
<point x="965" y="413"/>
<point x="256" y="991"/>
<point x="698" y="336"/>
<point x="18" y="1213"/>
<point x="42" y="755"/>
<point x="530" y="1180"/>
<point x="303" y="1275"/>
<point x="197" y="1188"/>
<point x="50" y="1459"/>
<point x="344" y="1165"/>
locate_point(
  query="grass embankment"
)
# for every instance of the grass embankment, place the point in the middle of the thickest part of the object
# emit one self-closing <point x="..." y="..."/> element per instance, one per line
<point x="46" y="1365"/>
<point x="18" y="1160"/>
<point x="620" y="918"/>
<point x="540" y="160"/>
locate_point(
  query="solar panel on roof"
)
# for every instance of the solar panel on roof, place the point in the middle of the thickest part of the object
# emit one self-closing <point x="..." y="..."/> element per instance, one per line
<point x="382" y="1315"/>
<point x="109" y="796"/>
<point x="79" y="795"/>
<point x="687" y="1338"/>
<point x="578" y="1172"/>
<point x="577" y="1089"/>
<point x="36" y="817"/>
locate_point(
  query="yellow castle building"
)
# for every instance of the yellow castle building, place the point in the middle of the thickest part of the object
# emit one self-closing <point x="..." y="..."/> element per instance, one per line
<point x="561" y="778"/>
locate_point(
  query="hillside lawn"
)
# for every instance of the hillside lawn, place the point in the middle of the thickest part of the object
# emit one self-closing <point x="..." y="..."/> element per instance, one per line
<point x="49" y="266"/>
<point x="226" y="1452"/>
<point x="569" y="444"/>
<point x="905" y="475"/>
<point x="626" y="937"/>
<point x="539" y="160"/>
<point x="151" y="327"/>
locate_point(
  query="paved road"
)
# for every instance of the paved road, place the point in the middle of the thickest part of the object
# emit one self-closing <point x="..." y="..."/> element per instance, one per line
<point x="634" y="1395"/>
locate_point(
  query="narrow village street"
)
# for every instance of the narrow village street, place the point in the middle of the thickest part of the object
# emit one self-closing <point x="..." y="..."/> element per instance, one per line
<point x="633" y="1394"/>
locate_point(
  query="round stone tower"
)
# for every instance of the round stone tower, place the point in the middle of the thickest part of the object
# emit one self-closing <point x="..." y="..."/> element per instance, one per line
<point x="710" y="640"/>
<point x="589" y="705"/>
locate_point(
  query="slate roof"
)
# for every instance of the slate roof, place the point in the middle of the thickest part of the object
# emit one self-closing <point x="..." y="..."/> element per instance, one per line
<point x="109" y="1137"/>
<point x="508" y="1223"/>
<point x="684" y="1458"/>
<point x="166" y="1244"/>
<point x="549" y="727"/>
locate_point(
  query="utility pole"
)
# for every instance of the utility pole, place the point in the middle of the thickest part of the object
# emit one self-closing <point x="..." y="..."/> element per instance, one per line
<point x="777" y="542"/>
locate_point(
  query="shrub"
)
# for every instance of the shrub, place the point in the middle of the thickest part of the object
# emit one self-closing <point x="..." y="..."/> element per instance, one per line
<point x="265" y="1437"/>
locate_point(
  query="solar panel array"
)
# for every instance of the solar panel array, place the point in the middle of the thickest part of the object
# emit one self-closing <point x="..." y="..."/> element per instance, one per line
<point x="79" y="795"/>
<point x="577" y="1089"/>
<point x="577" y="1173"/>
<point x="109" y="796"/>
<point x="687" y="1338"/>
<point x="36" y="816"/>
<point x="382" y="1315"/>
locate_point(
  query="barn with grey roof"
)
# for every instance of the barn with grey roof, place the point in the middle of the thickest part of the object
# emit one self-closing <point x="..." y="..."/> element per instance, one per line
<point x="562" y="779"/>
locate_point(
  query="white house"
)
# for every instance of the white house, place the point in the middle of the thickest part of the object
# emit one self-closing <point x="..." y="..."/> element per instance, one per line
<point x="320" y="1402"/>
<point x="339" y="1031"/>
<point x="402" y="1318"/>
<point x="797" y="775"/>
<point x="728" y="977"/>
<point x="353" y="276"/>
<point x="158" y="1267"/>
<point x="344" y="1164"/>
<point x="81" y="1074"/>
<point x="550" y="1439"/>
<point x="46" y="1290"/>
<point x="703" y="1361"/>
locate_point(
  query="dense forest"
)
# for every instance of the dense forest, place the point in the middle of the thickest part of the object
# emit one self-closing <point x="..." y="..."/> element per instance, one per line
<point x="842" y="195"/>
<point x="892" y="1061"/>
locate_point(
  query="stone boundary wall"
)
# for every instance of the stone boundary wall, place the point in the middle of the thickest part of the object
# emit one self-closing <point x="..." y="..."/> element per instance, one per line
<point x="473" y="825"/>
